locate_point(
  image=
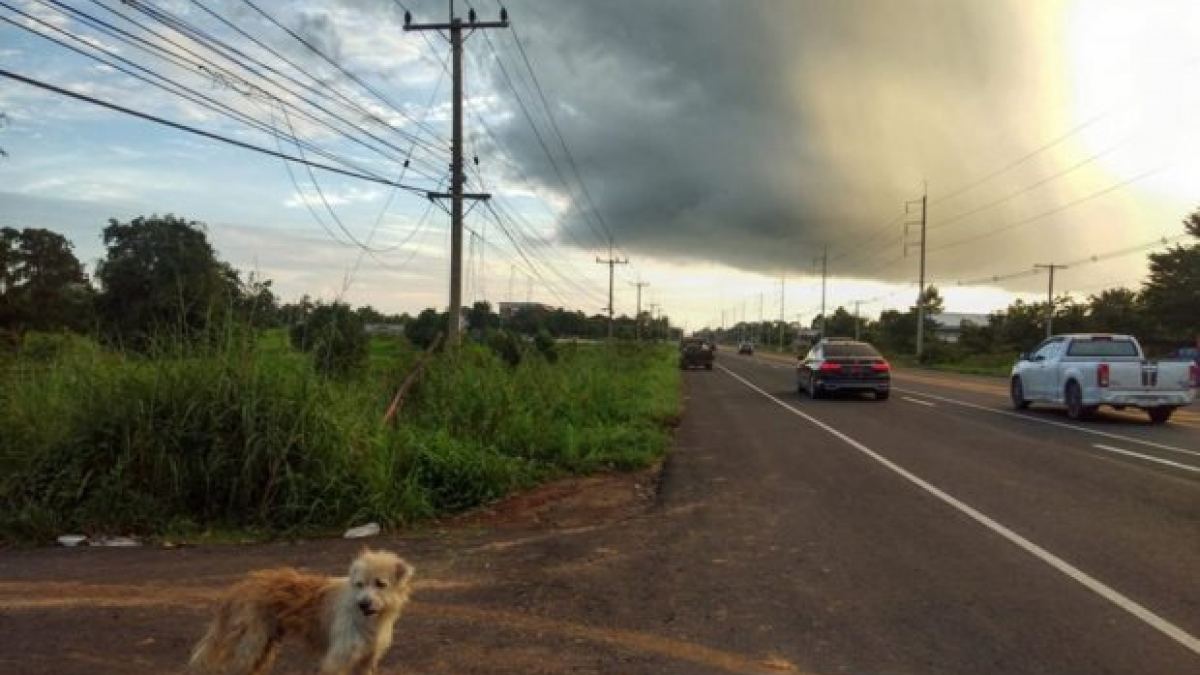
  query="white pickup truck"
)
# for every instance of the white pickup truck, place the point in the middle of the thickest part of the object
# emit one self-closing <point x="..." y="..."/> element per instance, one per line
<point x="1084" y="372"/>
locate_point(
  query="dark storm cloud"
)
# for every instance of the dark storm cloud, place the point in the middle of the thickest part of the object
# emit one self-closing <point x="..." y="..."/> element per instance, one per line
<point x="755" y="132"/>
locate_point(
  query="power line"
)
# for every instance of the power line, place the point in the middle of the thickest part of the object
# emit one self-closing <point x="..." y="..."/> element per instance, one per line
<point x="207" y="134"/>
<point x="558" y="133"/>
<point x="541" y="141"/>
<point x="1058" y="209"/>
<point x="338" y="66"/>
<point x="162" y="82"/>
<point x="1086" y="260"/>
<point x="200" y="64"/>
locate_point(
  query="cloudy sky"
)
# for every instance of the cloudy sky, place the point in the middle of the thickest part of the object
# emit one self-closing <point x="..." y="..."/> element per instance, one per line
<point x="720" y="145"/>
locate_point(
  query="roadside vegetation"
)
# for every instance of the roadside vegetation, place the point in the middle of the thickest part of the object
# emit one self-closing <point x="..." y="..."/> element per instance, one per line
<point x="213" y="415"/>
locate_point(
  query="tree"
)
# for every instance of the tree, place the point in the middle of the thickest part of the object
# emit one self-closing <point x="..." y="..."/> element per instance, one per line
<point x="1116" y="310"/>
<point x="336" y="337"/>
<point x="161" y="275"/>
<point x="840" y="324"/>
<point x="42" y="283"/>
<point x="422" y="330"/>
<point x="481" y="318"/>
<point x="1172" y="291"/>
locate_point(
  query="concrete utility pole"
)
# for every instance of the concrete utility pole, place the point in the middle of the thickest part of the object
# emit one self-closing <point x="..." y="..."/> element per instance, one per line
<point x="924" y="202"/>
<point x="760" y="318"/>
<point x="637" y="324"/>
<point x="824" y="275"/>
<point x="611" y="262"/>
<point x="1050" y="295"/>
<point x="782" y="298"/>
<point x="457" y="175"/>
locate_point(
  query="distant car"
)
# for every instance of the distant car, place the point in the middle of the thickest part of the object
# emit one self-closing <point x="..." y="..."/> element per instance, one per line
<point x="836" y="364"/>
<point x="745" y="348"/>
<point x="696" y="353"/>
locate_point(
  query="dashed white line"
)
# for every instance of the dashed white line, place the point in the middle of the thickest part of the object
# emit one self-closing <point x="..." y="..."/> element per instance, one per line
<point x="1149" y="458"/>
<point x="919" y="401"/>
<point x="1041" y="420"/>
<point x="1150" y="618"/>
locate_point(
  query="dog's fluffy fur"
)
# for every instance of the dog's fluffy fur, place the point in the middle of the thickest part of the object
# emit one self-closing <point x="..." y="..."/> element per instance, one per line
<point x="346" y="619"/>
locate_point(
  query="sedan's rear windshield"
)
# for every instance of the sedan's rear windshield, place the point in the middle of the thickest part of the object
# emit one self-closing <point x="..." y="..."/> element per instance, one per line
<point x="840" y="349"/>
<point x="1102" y="348"/>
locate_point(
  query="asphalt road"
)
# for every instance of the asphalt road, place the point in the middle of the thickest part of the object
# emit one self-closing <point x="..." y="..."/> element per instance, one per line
<point x="936" y="532"/>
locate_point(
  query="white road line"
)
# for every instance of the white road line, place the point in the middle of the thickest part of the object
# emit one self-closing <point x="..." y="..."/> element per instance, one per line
<point x="919" y="401"/>
<point x="1186" y="467"/>
<point x="1031" y="418"/>
<point x="1150" y="618"/>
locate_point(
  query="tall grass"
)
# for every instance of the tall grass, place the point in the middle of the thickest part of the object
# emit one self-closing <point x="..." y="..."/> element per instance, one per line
<point x="250" y="437"/>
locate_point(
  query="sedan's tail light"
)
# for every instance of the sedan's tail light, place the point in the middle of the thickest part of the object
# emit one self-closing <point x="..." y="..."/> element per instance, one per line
<point x="829" y="367"/>
<point x="881" y="367"/>
<point x="1102" y="375"/>
<point x="1195" y="372"/>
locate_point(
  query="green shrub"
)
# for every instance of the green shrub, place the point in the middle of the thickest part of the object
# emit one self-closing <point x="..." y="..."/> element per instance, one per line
<point x="251" y="437"/>
<point x="336" y="338"/>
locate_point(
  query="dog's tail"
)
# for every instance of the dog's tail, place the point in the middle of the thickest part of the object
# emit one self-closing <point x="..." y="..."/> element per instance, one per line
<point x="212" y="651"/>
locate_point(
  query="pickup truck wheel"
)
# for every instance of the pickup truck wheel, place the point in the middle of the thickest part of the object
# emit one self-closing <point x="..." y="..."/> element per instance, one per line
<point x="1017" y="390"/>
<point x="1076" y="410"/>
<point x="1160" y="414"/>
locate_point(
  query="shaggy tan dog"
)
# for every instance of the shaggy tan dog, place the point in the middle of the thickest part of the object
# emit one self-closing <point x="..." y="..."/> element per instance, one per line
<point x="346" y="619"/>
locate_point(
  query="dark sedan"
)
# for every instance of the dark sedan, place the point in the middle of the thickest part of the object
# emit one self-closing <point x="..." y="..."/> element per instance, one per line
<point x="834" y="365"/>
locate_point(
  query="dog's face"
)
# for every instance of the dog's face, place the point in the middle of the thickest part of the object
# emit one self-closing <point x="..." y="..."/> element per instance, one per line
<point x="380" y="582"/>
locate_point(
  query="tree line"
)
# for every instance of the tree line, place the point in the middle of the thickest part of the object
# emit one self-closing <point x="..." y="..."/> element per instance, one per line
<point x="161" y="276"/>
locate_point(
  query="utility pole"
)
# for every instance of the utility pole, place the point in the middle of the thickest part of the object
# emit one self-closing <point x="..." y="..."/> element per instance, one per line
<point x="637" y="324"/>
<point x="924" y="202"/>
<point x="1050" y="295"/>
<point x="611" y="262"/>
<point x="824" y="275"/>
<point x="457" y="175"/>
<point x="760" y="318"/>
<point x="782" y="298"/>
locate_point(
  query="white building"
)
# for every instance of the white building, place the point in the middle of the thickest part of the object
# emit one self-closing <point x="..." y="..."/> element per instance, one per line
<point x="949" y="324"/>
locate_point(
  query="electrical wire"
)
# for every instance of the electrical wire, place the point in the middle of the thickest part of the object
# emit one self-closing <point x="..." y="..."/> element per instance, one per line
<point x="207" y="134"/>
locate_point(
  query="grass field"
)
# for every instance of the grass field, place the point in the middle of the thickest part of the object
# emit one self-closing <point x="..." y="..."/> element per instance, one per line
<point x="251" y="439"/>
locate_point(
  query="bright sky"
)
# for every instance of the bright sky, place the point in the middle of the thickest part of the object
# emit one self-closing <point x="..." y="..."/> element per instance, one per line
<point x="723" y="145"/>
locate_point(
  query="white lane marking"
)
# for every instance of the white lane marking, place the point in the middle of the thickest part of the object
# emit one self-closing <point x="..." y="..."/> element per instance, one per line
<point x="919" y="401"/>
<point x="1186" y="467"/>
<point x="1150" y="618"/>
<point x="1031" y="418"/>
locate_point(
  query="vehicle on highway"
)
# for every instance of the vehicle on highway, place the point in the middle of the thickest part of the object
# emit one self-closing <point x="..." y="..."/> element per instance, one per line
<point x="696" y="353"/>
<point x="746" y="348"/>
<point x="840" y="364"/>
<point x="1083" y="372"/>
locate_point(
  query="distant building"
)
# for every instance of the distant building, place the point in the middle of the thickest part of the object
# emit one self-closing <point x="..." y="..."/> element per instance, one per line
<point x="949" y="324"/>
<point x="507" y="309"/>
<point x="384" y="328"/>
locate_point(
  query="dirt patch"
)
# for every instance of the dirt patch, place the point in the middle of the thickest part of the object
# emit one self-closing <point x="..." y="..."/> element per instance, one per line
<point x="568" y="503"/>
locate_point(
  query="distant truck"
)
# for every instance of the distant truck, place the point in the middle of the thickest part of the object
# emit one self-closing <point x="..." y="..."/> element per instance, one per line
<point x="1084" y="372"/>
<point x="696" y="353"/>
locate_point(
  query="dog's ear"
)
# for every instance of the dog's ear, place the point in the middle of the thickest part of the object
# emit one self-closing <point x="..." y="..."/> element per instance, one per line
<point x="403" y="570"/>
